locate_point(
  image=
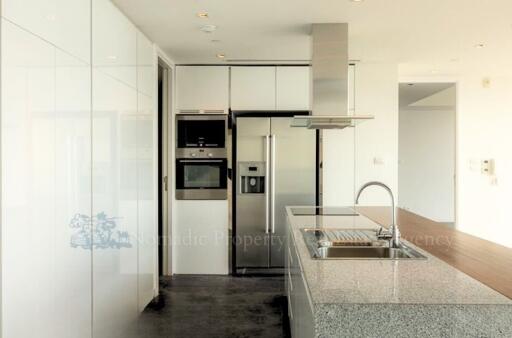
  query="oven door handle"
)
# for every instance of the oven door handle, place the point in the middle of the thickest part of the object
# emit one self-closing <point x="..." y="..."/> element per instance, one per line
<point x="267" y="184"/>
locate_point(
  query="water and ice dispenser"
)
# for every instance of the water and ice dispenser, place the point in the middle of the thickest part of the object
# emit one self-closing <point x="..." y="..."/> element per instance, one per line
<point x="252" y="177"/>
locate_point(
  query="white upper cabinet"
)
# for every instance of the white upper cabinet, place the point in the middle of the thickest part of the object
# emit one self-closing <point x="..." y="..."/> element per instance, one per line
<point x="202" y="88"/>
<point x="293" y="88"/>
<point x="253" y="88"/>
<point x="65" y="23"/>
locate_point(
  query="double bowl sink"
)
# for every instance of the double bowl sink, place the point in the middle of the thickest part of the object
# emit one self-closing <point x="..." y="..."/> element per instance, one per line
<point x="353" y="244"/>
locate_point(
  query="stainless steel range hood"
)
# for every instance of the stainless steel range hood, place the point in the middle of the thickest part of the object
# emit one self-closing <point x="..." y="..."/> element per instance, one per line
<point x="330" y="80"/>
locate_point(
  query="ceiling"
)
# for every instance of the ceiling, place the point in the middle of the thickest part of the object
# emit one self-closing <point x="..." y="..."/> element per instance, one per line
<point x="426" y="36"/>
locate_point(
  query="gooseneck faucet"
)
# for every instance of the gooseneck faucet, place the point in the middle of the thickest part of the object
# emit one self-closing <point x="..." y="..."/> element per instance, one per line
<point x="393" y="232"/>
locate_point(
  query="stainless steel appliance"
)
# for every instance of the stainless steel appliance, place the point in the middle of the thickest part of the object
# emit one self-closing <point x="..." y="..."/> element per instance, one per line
<point x="201" y="157"/>
<point x="275" y="168"/>
<point x="330" y="80"/>
<point x="201" y="134"/>
<point x="201" y="179"/>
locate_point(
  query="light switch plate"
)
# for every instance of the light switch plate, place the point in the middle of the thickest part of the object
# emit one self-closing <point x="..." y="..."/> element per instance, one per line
<point x="487" y="167"/>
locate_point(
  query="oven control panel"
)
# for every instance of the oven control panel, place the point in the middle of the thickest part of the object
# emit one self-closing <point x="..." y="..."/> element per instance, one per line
<point x="201" y="153"/>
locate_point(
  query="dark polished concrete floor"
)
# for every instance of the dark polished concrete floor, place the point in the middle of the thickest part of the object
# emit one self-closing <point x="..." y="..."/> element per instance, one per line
<point x="217" y="306"/>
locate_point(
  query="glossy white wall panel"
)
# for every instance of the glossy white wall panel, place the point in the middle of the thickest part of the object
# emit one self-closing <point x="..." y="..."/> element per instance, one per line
<point x="146" y="199"/>
<point x="65" y="23"/>
<point x="114" y="195"/>
<point x="38" y="193"/>
<point x="114" y="42"/>
<point x="27" y="225"/>
<point x="73" y="196"/>
<point x="145" y="68"/>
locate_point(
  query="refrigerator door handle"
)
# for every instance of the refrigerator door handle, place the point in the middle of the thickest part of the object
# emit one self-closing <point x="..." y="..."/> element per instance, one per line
<point x="267" y="184"/>
<point x="273" y="184"/>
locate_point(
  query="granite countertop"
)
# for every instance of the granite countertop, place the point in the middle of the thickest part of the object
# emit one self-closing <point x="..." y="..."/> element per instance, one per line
<point x="424" y="282"/>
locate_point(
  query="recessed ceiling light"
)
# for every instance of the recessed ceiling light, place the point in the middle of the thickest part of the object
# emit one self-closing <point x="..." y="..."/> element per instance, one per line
<point x="202" y="15"/>
<point x="112" y="57"/>
<point x="208" y="28"/>
<point x="221" y="55"/>
<point x="356" y="0"/>
<point x="480" y="45"/>
<point x="434" y="71"/>
<point x="410" y="84"/>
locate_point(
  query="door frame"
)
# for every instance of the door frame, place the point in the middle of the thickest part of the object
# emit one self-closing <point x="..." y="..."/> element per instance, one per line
<point x="232" y="122"/>
<point x="456" y="82"/>
<point x="161" y="59"/>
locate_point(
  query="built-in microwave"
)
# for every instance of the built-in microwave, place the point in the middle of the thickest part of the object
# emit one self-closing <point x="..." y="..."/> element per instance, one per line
<point x="201" y="179"/>
<point x="194" y="132"/>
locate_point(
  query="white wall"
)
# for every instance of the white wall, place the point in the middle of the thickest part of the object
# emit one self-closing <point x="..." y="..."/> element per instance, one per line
<point x="347" y="167"/>
<point x="483" y="121"/>
<point x="426" y="173"/>
<point x="77" y="139"/>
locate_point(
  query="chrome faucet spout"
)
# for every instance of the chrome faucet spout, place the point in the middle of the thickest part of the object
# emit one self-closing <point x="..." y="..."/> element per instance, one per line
<point x="393" y="229"/>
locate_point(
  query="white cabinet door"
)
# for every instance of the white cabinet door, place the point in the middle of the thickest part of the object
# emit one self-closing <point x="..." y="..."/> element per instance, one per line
<point x="202" y="88"/>
<point x="293" y="88"/>
<point x="201" y="237"/>
<point x="253" y="88"/>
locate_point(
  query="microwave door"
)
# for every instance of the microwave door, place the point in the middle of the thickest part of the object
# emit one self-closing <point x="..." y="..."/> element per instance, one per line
<point x="201" y="133"/>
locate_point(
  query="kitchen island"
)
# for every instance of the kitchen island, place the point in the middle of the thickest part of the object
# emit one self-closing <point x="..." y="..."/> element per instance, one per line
<point x="384" y="298"/>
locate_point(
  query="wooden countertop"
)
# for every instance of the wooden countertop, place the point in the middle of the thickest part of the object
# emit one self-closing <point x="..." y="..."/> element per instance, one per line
<point x="487" y="262"/>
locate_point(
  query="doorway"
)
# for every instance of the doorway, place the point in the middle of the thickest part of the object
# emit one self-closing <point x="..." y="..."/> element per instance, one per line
<point x="427" y="150"/>
<point x="164" y="172"/>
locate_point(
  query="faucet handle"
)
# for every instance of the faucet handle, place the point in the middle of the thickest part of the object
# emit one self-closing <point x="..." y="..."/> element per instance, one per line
<point x="381" y="234"/>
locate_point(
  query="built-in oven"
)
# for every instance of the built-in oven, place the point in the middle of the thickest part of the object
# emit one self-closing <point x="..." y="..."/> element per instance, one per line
<point x="201" y="178"/>
<point x="206" y="133"/>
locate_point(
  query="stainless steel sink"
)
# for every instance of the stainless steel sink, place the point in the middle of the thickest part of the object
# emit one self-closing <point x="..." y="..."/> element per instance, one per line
<point x="353" y="244"/>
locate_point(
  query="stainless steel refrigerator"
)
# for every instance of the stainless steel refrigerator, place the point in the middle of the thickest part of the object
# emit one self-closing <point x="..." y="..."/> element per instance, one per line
<point x="275" y="168"/>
